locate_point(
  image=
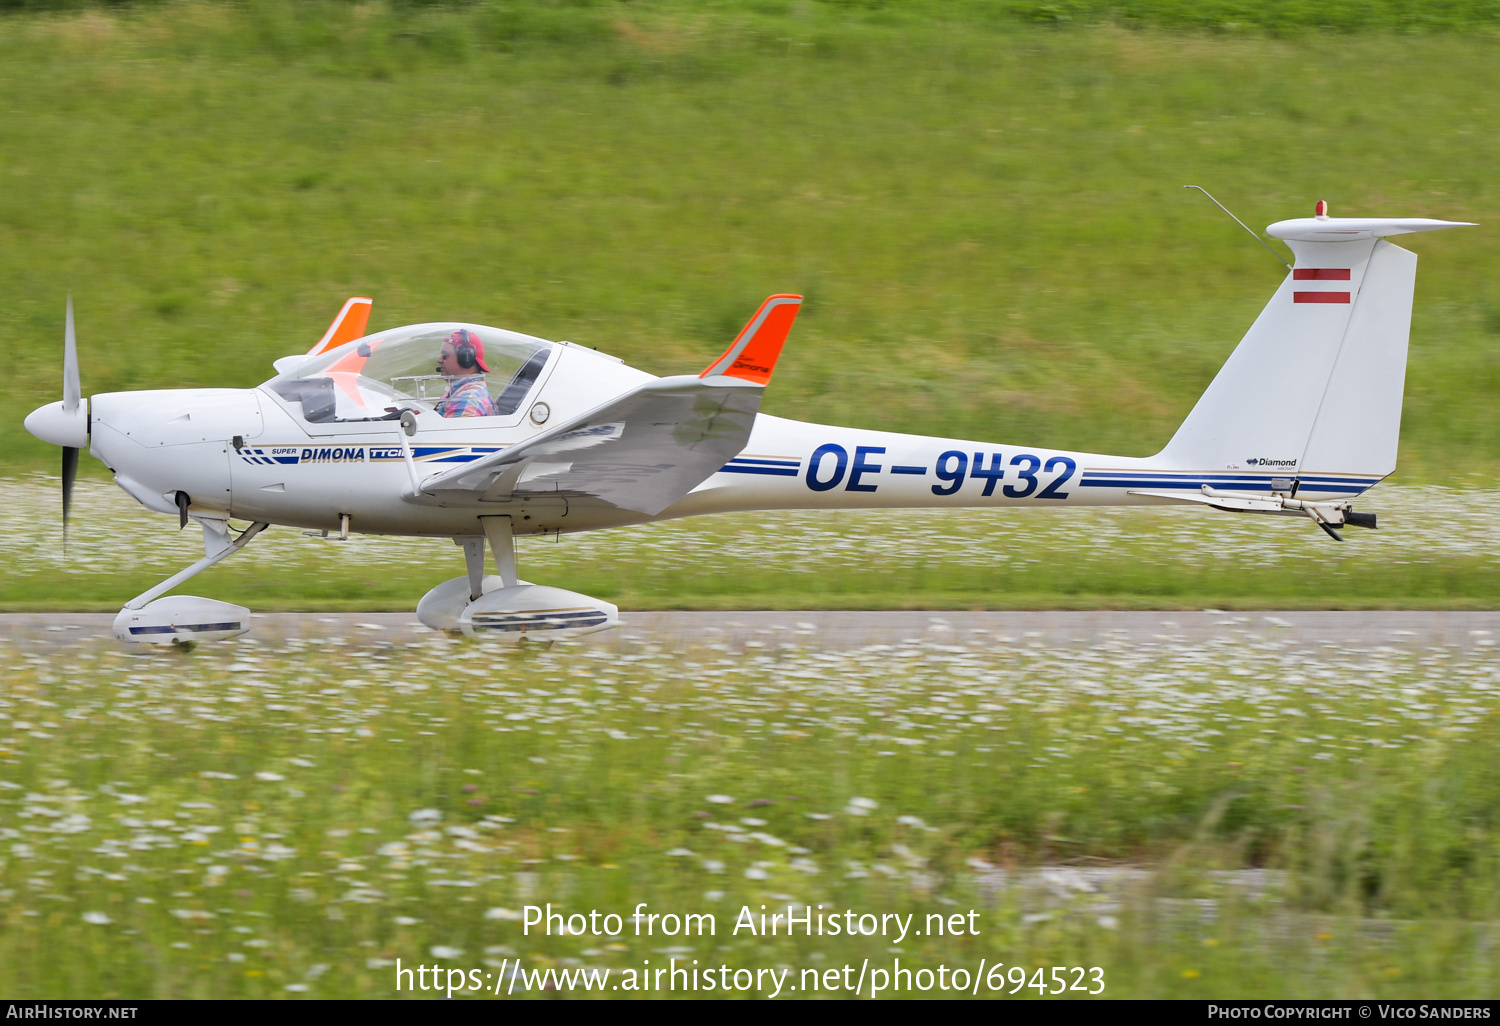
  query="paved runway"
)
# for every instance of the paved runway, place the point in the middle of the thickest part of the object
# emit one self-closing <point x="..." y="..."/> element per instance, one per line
<point x="855" y="629"/>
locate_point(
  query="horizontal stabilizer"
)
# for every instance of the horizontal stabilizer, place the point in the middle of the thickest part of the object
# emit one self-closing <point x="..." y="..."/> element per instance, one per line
<point x="1355" y="229"/>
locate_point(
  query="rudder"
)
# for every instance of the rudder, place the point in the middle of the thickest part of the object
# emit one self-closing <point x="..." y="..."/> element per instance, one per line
<point x="1358" y="423"/>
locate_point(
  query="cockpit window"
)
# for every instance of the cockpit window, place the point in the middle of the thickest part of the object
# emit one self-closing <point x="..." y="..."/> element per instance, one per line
<point x="376" y="377"/>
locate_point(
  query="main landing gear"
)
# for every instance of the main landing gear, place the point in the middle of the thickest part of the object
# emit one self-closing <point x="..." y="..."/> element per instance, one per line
<point x="501" y="604"/>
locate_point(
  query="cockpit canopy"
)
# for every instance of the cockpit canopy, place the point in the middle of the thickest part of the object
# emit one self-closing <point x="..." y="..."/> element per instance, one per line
<point x="376" y="377"/>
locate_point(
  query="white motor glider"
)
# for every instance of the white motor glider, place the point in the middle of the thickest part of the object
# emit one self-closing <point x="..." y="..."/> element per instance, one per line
<point x="352" y="436"/>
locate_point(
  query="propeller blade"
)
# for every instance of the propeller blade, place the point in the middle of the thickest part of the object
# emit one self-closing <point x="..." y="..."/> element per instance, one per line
<point x="72" y="390"/>
<point x="69" y="474"/>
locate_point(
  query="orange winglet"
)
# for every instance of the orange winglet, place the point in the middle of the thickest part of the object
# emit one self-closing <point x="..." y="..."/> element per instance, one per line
<point x="752" y="356"/>
<point x="346" y="327"/>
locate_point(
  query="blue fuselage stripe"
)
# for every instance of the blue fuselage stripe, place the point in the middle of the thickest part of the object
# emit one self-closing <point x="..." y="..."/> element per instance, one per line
<point x="1159" y="475"/>
<point x="1195" y="485"/>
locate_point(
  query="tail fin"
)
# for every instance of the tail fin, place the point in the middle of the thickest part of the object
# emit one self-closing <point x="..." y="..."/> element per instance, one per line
<point x="1312" y="394"/>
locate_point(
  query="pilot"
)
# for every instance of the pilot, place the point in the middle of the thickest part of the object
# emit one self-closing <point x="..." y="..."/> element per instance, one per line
<point x="462" y="363"/>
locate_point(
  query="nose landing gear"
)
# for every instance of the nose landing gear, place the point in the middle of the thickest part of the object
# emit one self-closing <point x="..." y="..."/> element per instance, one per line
<point x="183" y="619"/>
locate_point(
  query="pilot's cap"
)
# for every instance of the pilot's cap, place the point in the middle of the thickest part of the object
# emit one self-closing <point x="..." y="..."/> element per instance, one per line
<point x="465" y="337"/>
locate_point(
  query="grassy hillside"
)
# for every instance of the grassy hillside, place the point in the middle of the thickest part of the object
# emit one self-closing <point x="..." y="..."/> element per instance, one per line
<point x="986" y="215"/>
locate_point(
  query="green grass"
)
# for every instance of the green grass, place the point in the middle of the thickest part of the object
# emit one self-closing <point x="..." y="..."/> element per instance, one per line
<point x="1437" y="548"/>
<point x="258" y="821"/>
<point x="986" y="216"/>
<point x="324" y="584"/>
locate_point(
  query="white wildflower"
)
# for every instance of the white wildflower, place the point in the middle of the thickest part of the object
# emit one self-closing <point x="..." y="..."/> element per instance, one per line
<point x="192" y="913"/>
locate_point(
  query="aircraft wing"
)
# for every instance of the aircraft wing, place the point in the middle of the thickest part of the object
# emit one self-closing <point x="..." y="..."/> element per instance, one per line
<point x="642" y="451"/>
<point x="645" y="449"/>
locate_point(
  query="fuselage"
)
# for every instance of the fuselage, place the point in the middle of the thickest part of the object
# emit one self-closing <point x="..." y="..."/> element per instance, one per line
<point x="247" y="454"/>
<point x="321" y="446"/>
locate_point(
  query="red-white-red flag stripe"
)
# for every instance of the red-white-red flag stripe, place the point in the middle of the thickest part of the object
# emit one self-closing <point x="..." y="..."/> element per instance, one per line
<point x="1320" y="274"/>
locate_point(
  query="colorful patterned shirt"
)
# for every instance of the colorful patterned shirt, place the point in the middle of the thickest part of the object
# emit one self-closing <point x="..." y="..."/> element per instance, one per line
<point x="467" y="397"/>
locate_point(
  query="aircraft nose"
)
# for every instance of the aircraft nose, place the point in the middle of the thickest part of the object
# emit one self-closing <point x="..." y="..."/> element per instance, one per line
<point x="51" y="423"/>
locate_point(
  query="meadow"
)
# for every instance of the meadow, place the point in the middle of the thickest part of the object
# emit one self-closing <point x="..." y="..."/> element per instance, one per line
<point x="1226" y="818"/>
